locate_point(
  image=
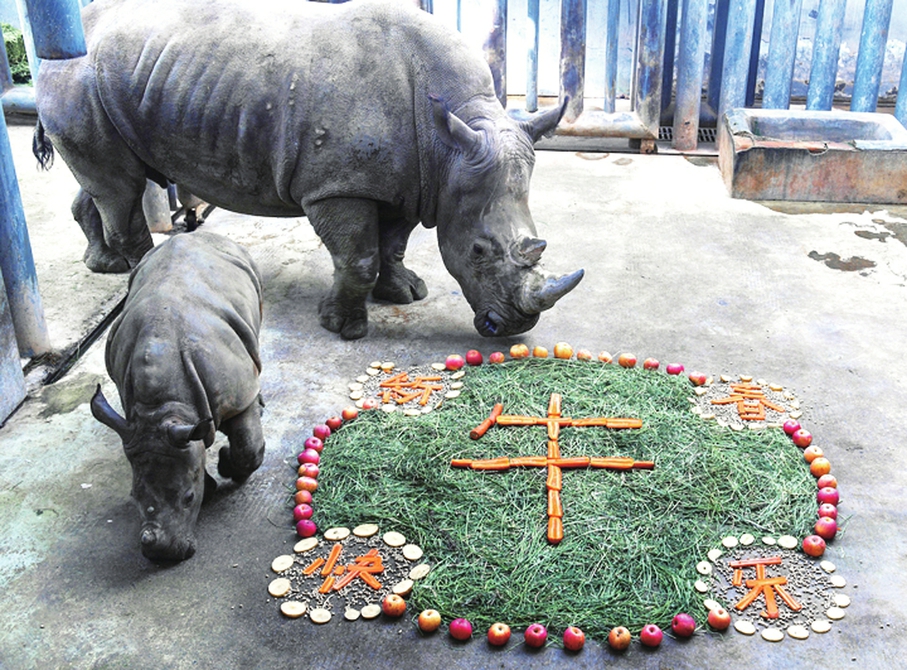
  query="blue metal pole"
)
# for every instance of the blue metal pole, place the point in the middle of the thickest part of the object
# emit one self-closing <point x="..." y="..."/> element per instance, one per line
<point x="735" y="72"/>
<point x="57" y="28"/>
<point x="12" y="381"/>
<point x="532" y="57"/>
<point x="716" y="63"/>
<point x="690" y="67"/>
<point x="25" y="21"/>
<point x="612" y="32"/>
<point x="871" y="56"/>
<point x="900" y="107"/>
<point x="650" y="57"/>
<point x="6" y="75"/>
<point x="16" y="262"/>
<point x="667" y="73"/>
<point x="826" y="51"/>
<point x="782" y="52"/>
<point x="754" y="53"/>
<point x="573" y="56"/>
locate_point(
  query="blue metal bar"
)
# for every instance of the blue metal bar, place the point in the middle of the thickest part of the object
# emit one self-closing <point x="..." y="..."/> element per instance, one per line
<point x="754" y="53"/>
<point x="57" y="28"/>
<point x="667" y="73"/>
<point x="459" y="16"/>
<point x="650" y="45"/>
<point x="782" y="52"/>
<point x="716" y="64"/>
<point x="612" y="31"/>
<point x="871" y="57"/>
<point x="900" y="107"/>
<point x="573" y="56"/>
<point x="25" y="21"/>
<point x="16" y="262"/>
<point x="690" y="69"/>
<point x="6" y="75"/>
<point x="735" y="72"/>
<point x="826" y="51"/>
<point x="532" y="57"/>
<point x="12" y="381"/>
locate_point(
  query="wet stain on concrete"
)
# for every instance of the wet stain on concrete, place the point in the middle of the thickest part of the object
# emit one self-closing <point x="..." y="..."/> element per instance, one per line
<point x="65" y="396"/>
<point x="897" y="230"/>
<point x="835" y="262"/>
<point x="623" y="161"/>
<point x="590" y="156"/>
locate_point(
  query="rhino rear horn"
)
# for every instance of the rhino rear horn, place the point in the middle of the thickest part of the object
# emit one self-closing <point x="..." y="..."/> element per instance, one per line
<point x="541" y="290"/>
<point x="103" y="412"/>
<point x="544" y="123"/>
<point x="530" y="251"/>
<point x="182" y="434"/>
<point x="454" y="132"/>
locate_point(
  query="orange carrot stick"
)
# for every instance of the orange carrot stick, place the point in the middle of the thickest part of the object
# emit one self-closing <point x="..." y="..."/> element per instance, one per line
<point x="402" y="400"/>
<point x="573" y="462"/>
<point x="750" y="562"/>
<point x="313" y="566"/>
<point x="502" y="463"/>
<point x="483" y="427"/>
<point x="748" y="599"/>
<point x="461" y="463"/>
<point x="326" y="585"/>
<point x="392" y="381"/>
<point x="624" y="423"/>
<point x="555" y="529"/>
<point x="554" y="449"/>
<point x="644" y="465"/>
<point x="529" y="461"/>
<point x="371" y="581"/>
<point x="554" y="478"/>
<point x="788" y="599"/>
<point x="339" y="570"/>
<point x="515" y="420"/>
<point x="554" y="405"/>
<point x="771" y="605"/>
<point x="332" y="559"/>
<point x="555" y="508"/>
<point x="346" y="579"/>
<point x="737" y="579"/>
<point x="615" y="463"/>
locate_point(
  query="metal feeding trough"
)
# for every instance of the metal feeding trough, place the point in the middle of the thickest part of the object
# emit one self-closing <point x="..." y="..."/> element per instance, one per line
<point x="832" y="156"/>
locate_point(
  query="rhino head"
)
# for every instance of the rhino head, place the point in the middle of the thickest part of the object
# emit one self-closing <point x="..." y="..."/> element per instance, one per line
<point x="167" y="457"/>
<point x="485" y="232"/>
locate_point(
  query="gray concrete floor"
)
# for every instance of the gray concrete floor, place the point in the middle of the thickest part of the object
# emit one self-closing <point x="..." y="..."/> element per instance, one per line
<point x="675" y="269"/>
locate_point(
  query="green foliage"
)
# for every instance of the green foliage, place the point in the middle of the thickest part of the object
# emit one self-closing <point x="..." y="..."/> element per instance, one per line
<point x="15" y="52"/>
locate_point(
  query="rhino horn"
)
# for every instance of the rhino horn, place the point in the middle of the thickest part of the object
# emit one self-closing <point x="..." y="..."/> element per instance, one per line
<point x="183" y="433"/>
<point x="103" y="412"/>
<point x="541" y="290"/>
<point x="454" y="132"/>
<point x="530" y="251"/>
<point x="543" y="123"/>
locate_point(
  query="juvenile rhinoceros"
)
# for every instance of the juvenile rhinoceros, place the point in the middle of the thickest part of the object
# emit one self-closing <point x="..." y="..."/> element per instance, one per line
<point x="184" y="357"/>
<point x="368" y="117"/>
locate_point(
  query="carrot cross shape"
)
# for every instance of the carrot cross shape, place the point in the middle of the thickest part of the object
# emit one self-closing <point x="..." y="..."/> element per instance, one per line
<point x="767" y="587"/>
<point x="553" y="460"/>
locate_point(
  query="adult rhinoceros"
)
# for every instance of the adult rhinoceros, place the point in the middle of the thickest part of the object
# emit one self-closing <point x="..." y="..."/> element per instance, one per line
<point x="368" y="117"/>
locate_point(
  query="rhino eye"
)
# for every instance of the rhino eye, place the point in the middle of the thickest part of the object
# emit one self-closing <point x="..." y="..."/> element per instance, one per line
<point x="188" y="498"/>
<point x="478" y="249"/>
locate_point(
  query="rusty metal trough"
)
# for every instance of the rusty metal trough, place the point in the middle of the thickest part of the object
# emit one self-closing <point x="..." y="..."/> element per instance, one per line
<point x="813" y="155"/>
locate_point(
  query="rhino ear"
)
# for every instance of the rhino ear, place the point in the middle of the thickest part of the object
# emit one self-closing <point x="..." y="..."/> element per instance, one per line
<point x="543" y="124"/>
<point x="103" y="412"/>
<point x="453" y="132"/>
<point x="182" y="434"/>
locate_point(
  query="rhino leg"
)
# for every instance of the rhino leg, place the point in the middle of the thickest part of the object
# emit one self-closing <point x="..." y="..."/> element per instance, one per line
<point x="98" y="256"/>
<point x="349" y="229"/>
<point x="247" y="444"/>
<point x="397" y="283"/>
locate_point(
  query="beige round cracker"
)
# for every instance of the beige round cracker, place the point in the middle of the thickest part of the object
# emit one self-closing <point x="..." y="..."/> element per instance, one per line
<point x="730" y="542"/>
<point x="715" y="554"/>
<point x="427" y="409"/>
<point x="365" y="530"/>
<point x="837" y="581"/>
<point x="440" y="367"/>
<point x="747" y="539"/>
<point x="373" y="372"/>
<point x="456" y="386"/>
<point x="388" y="409"/>
<point x="412" y="552"/>
<point x="403" y="588"/>
<point x="459" y="374"/>
<point x="419" y="571"/>
<point x="701" y="586"/>
<point x="387" y="366"/>
<point x="768" y="540"/>
<point x="841" y="600"/>
<point x="375" y="364"/>
<point x="798" y="632"/>
<point x="828" y="566"/>
<point x="393" y="539"/>
<point x="821" y="626"/>
<point x="282" y="563"/>
<point x="337" y="533"/>
<point x="711" y="604"/>
<point x="772" y="635"/>
<point x="350" y="614"/>
<point x="835" y="613"/>
<point x="292" y="609"/>
<point x="362" y="379"/>
<point x="356" y="395"/>
<point x="744" y="627"/>
<point x="704" y="568"/>
<point x="370" y="611"/>
<point x="320" y="615"/>
<point x="305" y="545"/>
<point x="412" y="412"/>
<point x="355" y="386"/>
<point x="279" y="587"/>
<point x="450" y="395"/>
<point x="788" y="542"/>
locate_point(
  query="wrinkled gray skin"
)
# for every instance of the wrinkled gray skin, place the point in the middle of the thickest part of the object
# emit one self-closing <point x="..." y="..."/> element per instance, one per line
<point x="184" y="357"/>
<point x="368" y="117"/>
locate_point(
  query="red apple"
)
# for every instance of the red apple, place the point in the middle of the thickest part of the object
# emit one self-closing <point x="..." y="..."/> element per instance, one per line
<point x="306" y="484"/>
<point x="321" y="431"/>
<point x="315" y="443"/>
<point x="303" y="497"/>
<point x="454" y="362"/>
<point x="370" y="403"/>
<point x="334" y="423"/>
<point x="650" y="364"/>
<point x="498" y="634"/>
<point x="719" y="618"/>
<point x="474" y="357"/>
<point x="791" y="426"/>
<point x="563" y="351"/>
<point x="683" y="625"/>
<point x="538" y="351"/>
<point x="619" y="638"/>
<point x="829" y="481"/>
<point x="802" y="438"/>
<point x="583" y="355"/>
<point x="460" y="629"/>
<point x="309" y="470"/>
<point x="826" y="528"/>
<point x="393" y="605"/>
<point x="605" y="357"/>
<point x="306" y="528"/>
<point x="309" y="456"/>
<point x="827" y="495"/>
<point x="698" y="378"/>
<point x="574" y="638"/>
<point x="350" y="413"/>
<point x="626" y="360"/>
<point x="429" y="621"/>
<point x="813" y="545"/>
<point x="673" y="369"/>
<point x="302" y="511"/>
<point x="536" y="635"/>
<point x="496" y="357"/>
<point x="651" y="635"/>
<point x="829" y="510"/>
<point x="520" y="350"/>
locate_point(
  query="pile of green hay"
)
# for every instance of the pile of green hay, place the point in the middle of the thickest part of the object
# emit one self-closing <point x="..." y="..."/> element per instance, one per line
<point x="632" y="538"/>
<point x="15" y="52"/>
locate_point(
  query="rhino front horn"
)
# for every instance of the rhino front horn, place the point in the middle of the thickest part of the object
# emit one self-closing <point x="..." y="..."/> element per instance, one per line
<point x="541" y="290"/>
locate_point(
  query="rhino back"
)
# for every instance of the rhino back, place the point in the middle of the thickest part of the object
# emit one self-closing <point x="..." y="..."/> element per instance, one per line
<point x="189" y="328"/>
<point x="262" y="106"/>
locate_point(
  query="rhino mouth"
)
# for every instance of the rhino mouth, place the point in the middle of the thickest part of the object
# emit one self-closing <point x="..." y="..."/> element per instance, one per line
<point x="156" y="546"/>
<point x="490" y="323"/>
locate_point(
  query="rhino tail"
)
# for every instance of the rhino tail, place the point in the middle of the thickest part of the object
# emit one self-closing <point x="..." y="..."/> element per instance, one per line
<point x="42" y="147"/>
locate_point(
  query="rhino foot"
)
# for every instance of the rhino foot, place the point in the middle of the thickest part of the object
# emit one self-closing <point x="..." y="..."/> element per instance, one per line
<point x="351" y="324"/>
<point x="400" y="286"/>
<point x="104" y="259"/>
<point x="226" y="468"/>
<point x="210" y="487"/>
